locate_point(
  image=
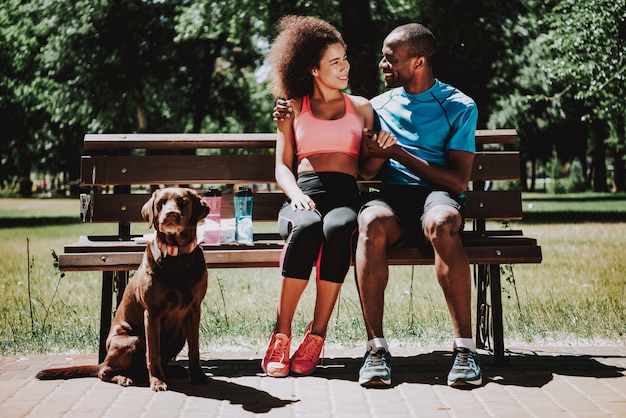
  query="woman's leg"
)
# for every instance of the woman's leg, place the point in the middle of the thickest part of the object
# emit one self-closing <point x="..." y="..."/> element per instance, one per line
<point x="340" y="227"/>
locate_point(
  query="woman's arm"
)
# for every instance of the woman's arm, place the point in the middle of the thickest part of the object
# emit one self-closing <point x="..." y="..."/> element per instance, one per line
<point x="284" y="169"/>
<point x="368" y="164"/>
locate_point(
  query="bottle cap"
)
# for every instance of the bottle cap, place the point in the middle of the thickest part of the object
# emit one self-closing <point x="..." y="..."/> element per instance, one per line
<point x="212" y="192"/>
<point x="244" y="191"/>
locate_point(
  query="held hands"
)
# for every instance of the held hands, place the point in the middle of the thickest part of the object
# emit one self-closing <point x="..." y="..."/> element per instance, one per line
<point x="378" y="143"/>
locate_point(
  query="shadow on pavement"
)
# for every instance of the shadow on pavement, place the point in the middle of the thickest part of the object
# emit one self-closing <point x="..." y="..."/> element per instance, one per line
<point x="528" y="369"/>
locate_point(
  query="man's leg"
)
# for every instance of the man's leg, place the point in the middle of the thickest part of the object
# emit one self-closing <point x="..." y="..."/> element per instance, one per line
<point x="441" y="226"/>
<point x="378" y="228"/>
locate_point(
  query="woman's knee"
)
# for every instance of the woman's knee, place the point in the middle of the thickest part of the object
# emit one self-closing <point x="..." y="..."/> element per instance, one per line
<point x="306" y="222"/>
<point x="341" y="220"/>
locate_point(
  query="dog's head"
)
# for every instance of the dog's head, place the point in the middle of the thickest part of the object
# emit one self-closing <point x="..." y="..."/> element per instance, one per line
<point x="174" y="211"/>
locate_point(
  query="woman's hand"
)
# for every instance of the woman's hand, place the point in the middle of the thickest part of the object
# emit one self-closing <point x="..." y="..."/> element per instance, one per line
<point x="302" y="202"/>
<point x="384" y="139"/>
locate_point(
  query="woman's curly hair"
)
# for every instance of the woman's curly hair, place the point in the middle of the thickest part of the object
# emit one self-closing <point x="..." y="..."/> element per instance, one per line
<point x="297" y="49"/>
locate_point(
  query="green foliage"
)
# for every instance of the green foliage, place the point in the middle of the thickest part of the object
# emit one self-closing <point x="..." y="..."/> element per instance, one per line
<point x="68" y="68"/>
<point x="566" y="61"/>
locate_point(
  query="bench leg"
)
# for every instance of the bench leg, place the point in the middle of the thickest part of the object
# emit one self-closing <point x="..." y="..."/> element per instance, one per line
<point x="121" y="280"/>
<point x="489" y="324"/>
<point x="496" y="316"/>
<point x="482" y="307"/>
<point x="106" y="308"/>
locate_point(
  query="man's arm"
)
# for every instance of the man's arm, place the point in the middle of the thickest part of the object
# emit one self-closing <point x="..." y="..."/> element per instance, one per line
<point x="454" y="175"/>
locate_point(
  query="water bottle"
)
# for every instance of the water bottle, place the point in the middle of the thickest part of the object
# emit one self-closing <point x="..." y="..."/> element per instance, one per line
<point x="243" y="215"/>
<point x="212" y="222"/>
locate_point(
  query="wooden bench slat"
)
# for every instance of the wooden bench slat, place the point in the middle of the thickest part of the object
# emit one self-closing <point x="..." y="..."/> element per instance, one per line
<point x="272" y="240"/>
<point x="166" y="141"/>
<point x="504" y="165"/>
<point x="497" y="247"/>
<point x="230" y="169"/>
<point x="496" y="136"/>
<point x="178" y="141"/>
<point x="126" y="208"/>
<point x="494" y="205"/>
<point x="181" y="169"/>
<point x="270" y="257"/>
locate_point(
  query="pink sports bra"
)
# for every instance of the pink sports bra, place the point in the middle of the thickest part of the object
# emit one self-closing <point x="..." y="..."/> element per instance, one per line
<point x="315" y="135"/>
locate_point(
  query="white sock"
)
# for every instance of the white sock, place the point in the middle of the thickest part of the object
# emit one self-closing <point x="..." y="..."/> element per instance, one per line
<point x="466" y="343"/>
<point x="377" y="343"/>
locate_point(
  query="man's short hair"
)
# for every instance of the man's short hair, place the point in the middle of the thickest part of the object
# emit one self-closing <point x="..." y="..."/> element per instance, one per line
<point x="420" y="40"/>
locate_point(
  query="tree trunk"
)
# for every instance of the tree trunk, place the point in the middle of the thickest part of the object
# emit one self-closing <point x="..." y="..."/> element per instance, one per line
<point x="598" y="156"/>
<point x="619" y="171"/>
<point x="25" y="184"/>
<point x="533" y="175"/>
<point x="359" y="36"/>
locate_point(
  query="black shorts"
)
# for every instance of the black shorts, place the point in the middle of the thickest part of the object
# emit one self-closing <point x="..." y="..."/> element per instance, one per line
<point x="409" y="204"/>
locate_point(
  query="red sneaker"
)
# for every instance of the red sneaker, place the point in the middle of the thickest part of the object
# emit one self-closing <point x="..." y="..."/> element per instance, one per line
<point x="276" y="361"/>
<point x="304" y="360"/>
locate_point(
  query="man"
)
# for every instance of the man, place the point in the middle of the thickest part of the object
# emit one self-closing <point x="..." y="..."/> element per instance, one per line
<point x="423" y="178"/>
<point x="435" y="126"/>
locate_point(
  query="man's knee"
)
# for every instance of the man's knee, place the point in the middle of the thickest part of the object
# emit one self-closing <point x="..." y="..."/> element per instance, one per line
<point x="377" y="225"/>
<point x="442" y="222"/>
<point x="370" y="220"/>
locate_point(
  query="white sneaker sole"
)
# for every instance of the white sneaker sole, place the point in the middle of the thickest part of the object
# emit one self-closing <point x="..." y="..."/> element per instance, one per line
<point x="459" y="383"/>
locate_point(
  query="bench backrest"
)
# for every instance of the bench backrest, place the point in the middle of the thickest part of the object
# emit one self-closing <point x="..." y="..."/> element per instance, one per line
<point x="122" y="167"/>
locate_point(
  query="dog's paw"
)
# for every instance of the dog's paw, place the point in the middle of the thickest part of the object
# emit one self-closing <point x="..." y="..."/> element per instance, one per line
<point x="157" y="385"/>
<point x="123" y="380"/>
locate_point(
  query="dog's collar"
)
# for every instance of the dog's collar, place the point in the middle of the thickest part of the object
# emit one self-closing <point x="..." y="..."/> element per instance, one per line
<point x="175" y="250"/>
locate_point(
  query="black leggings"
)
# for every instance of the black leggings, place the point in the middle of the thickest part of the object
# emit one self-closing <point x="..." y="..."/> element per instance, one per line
<point x="323" y="236"/>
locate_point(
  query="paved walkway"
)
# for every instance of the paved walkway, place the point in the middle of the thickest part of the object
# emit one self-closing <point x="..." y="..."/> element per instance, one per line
<point x="539" y="382"/>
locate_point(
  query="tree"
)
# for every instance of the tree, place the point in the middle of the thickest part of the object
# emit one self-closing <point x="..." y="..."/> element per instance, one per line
<point x="572" y="68"/>
<point x="21" y="36"/>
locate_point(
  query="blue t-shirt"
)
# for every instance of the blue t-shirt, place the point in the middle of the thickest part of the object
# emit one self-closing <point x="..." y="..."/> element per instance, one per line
<point x="427" y="125"/>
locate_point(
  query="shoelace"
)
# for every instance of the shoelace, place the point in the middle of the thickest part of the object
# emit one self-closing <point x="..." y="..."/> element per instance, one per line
<point x="278" y="353"/>
<point x="375" y="359"/>
<point x="311" y="347"/>
<point x="462" y="358"/>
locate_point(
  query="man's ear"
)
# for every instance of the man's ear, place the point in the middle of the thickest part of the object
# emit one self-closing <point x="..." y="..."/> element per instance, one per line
<point x="419" y="62"/>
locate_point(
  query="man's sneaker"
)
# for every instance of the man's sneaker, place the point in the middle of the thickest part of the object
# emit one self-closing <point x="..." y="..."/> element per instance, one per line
<point x="376" y="369"/>
<point x="276" y="361"/>
<point x="466" y="369"/>
<point x="305" y="359"/>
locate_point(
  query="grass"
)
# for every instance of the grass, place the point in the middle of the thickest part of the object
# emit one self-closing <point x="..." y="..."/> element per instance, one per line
<point x="576" y="296"/>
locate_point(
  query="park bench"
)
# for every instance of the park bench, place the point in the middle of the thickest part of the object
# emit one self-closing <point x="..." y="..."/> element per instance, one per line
<point x="120" y="168"/>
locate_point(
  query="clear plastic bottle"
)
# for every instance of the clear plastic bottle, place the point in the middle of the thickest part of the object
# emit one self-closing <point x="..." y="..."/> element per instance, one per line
<point x="243" y="201"/>
<point x="212" y="222"/>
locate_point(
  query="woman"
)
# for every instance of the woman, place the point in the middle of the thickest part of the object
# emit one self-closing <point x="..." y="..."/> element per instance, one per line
<point x="317" y="162"/>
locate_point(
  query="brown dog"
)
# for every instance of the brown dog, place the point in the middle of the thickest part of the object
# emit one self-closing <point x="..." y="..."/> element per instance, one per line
<point x="160" y="308"/>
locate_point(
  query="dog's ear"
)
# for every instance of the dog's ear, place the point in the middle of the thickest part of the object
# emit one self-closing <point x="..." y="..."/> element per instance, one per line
<point x="148" y="210"/>
<point x="200" y="207"/>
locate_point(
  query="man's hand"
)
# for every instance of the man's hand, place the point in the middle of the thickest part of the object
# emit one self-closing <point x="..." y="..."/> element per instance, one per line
<point x="379" y="144"/>
<point x="282" y="110"/>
